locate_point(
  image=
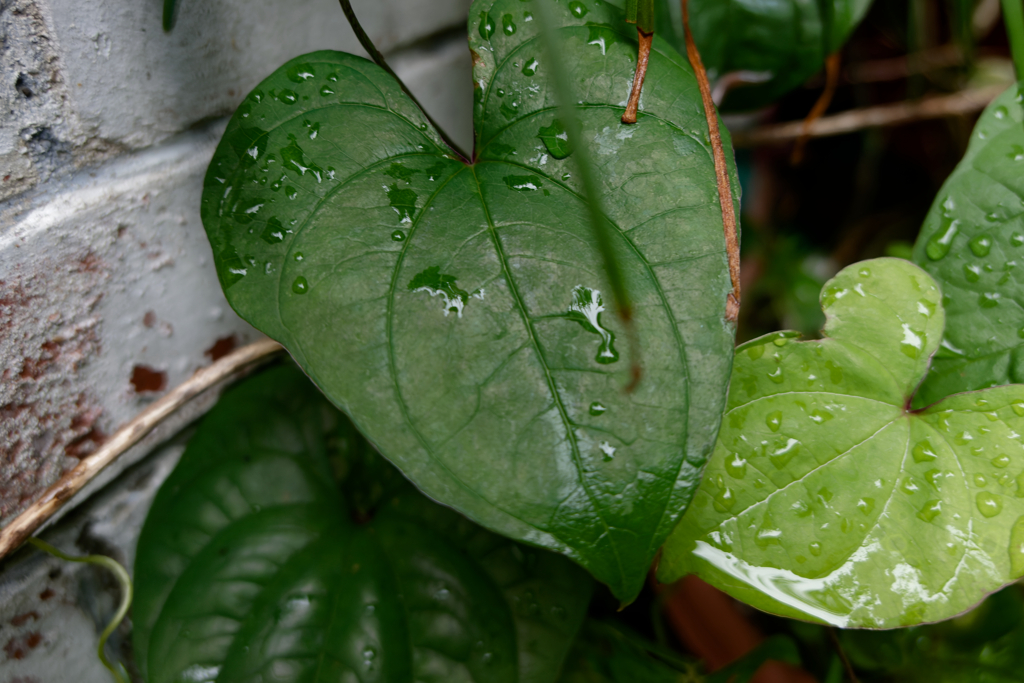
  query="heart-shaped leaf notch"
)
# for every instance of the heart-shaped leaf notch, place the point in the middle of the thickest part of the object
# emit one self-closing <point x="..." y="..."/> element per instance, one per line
<point x="828" y="498"/>
<point x="457" y="311"/>
<point x="254" y="565"/>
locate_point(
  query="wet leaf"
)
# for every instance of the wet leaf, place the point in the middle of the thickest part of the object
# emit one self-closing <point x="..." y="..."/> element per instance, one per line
<point x="254" y="565"/>
<point x="972" y="242"/>
<point x="782" y="43"/>
<point x="459" y="313"/>
<point x="828" y="499"/>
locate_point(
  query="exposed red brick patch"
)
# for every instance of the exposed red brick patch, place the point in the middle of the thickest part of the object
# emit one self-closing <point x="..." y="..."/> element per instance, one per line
<point x="147" y="379"/>
<point x="19" y="646"/>
<point x="46" y="594"/>
<point x="149" y="319"/>
<point x="24" y="679"/>
<point x="48" y="331"/>
<point x="90" y="263"/>
<point x="22" y="619"/>
<point x="222" y="347"/>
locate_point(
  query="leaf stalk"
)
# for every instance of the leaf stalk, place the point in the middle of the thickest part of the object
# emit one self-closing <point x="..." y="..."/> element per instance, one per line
<point x="642" y="57"/>
<point x="585" y="166"/>
<point x="1013" y="18"/>
<point x="378" y="58"/>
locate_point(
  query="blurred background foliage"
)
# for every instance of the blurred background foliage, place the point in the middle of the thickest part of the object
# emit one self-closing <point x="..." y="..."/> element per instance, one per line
<point x="863" y="194"/>
<point x="849" y="197"/>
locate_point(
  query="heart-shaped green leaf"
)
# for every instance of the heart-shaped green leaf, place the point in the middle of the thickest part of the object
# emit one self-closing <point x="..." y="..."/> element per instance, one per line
<point x="779" y="44"/>
<point x="457" y="312"/>
<point x="828" y="498"/>
<point x="972" y="242"/>
<point x="254" y="565"/>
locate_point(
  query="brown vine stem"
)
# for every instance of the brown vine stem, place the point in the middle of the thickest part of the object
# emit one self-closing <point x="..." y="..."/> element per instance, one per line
<point x="850" y="673"/>
<point x="732" y="241"/>
<point x="642" y="57"/>
<point x="964" y="102"/>
<point x="26" y="524"/>
<point x="819" y="108"/>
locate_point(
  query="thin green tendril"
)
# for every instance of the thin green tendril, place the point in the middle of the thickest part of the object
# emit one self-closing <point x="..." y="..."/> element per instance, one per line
<point x="120" y="675"/>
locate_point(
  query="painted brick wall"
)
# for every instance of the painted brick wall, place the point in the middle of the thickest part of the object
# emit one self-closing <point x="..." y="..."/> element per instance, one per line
<point x="108" y="295"/>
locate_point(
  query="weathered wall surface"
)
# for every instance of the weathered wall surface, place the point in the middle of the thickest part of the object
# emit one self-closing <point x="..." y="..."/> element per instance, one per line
<point x="108" y="296"/>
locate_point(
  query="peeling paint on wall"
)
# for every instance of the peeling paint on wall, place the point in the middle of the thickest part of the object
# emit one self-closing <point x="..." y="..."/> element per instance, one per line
<point x="49" y="415"/>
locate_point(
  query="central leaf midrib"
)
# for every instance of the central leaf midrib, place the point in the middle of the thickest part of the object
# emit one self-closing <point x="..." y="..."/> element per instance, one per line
<point x="556" y="397"/>
<point x="392" y="365"/>
<point x="673" y="323"/>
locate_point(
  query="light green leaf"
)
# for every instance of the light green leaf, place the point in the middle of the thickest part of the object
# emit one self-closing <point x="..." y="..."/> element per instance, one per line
<point x="829" y="499"/>
<point x="254" y="565"/>
<point x="972" y="242"/>
<point x="459" y="312"/>
<point x="784" y="42"/>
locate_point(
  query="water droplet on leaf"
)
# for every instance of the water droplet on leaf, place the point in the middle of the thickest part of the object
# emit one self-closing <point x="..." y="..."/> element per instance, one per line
<point x="923" y="451"/>
<point x="930" y="510"/>
<point x="486" y="26"/>
<point x="989" y="504"/>
<point x="981" y="245"/>
<point x="578" y="9"/>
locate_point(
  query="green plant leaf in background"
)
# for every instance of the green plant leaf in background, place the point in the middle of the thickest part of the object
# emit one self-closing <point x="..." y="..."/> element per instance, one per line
<point x="828" y="499"/>
<point x="972" y="242"/>
<point x="457" y="311"/>
<point x="606" y="652"/>
<point x="785" y="41"/>
<point x="254" y="565"/>
<point x="985" y="645"/>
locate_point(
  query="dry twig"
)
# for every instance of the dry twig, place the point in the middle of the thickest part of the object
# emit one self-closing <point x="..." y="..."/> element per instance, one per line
<point x="819" y="108"/>
<point x="26" y="524"/>
<point x="961" y="103"/>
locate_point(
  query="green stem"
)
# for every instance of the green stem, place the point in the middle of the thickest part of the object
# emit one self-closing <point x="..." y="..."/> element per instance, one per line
<point x="378" y="58"/>
<point x="1013" y="18"/>
<point x="170" y="14"/>
<point x="599" y="223"/>
<point x="126" y="596"/>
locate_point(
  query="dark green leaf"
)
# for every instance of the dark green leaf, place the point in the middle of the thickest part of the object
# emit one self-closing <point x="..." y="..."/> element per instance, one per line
<point x="785" y="41"/>
<point x="985" y="645"/>
<point x="972" y="242"/>
<point x="254" y="565"/>
<point x="829" y="499"/>
<point x="778" y="648"/>
<point x="436" y="302"/>
<point x="608" y="653"/>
